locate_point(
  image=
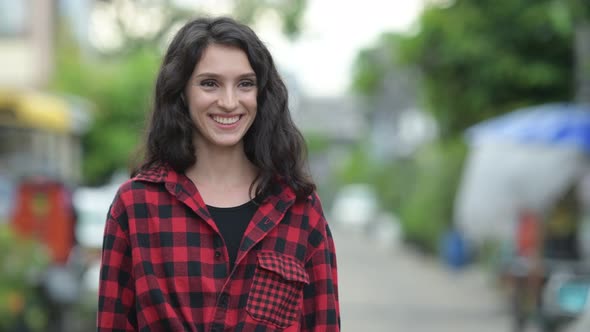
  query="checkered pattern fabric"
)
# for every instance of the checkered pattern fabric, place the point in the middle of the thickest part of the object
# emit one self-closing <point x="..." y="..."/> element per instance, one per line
<point x="165" y="266"/>
<point x="276" y="289"/>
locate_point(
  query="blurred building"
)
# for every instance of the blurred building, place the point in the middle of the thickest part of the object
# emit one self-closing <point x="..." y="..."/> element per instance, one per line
<point x="339" y="119"/>
<point x="338" y="123"/>
<point x="399" y="133"/>
<point x="26" y="42"/>
<point x="39" y="131"/>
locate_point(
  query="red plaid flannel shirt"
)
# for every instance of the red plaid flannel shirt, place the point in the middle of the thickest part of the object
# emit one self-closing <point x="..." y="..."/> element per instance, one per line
<point x="165" y="265"/>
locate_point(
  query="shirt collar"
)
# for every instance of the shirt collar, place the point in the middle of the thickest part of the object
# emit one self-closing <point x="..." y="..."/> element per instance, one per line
<point x="166" y="174"/>
<point x="154" y="174"/>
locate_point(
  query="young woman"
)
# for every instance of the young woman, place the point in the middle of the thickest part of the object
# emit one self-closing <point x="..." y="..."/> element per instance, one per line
<point x="220" y="228"/>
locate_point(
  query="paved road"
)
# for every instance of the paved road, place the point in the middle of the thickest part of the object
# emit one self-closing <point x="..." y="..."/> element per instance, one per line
<point x="387" y="290"/>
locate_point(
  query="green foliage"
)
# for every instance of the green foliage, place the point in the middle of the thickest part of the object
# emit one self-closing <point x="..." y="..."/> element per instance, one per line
<point x="426" y="207"/>
<point x="133" y="36"/>
<point x="481" y="58"/>
<point x="20" y="262"/>
<point x="316" y="143"/>
<point x="120" y="89"/>
<point x="369" y="72"/>
<point x="290" y="13"/>
<point x="394" y="181"/>
<point x="420" y="190"/>
<point x="372" y="64"/>
<point x="358" y="168"/>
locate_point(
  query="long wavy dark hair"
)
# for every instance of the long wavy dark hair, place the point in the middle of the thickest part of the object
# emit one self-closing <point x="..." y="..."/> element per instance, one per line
<point x="273" y="143"/>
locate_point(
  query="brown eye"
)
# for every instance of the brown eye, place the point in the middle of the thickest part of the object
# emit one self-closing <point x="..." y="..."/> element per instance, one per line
<point x="208" y="83"/>
<point x="247" y="84"/>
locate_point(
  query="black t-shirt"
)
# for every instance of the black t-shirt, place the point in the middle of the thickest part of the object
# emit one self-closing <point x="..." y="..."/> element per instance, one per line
<point x="232" y="223"/>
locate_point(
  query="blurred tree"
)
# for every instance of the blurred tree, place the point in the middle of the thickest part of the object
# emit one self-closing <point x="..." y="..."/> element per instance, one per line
<point x="136" y="23"/>
<point x="120" y="90"/>
<point x="582" y="50"/>
<point x="290" y="13"/>
<point x="419" y="190"/>
<point x="476" y="59"/>
<point x="426" y="203"/>
<point x="119" y="79"/>
<point x="480" y="58"/>
<point x="373" y="64"/>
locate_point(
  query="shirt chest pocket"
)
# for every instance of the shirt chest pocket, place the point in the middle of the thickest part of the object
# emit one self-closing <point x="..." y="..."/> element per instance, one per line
<point x="277" y="289"/>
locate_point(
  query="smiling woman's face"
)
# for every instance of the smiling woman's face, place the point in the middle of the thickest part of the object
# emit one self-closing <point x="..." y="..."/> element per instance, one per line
<point x="221" y="96"/>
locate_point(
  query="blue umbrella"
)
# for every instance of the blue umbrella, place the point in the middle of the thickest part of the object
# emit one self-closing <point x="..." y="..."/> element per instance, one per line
<point x="563" y="124"/>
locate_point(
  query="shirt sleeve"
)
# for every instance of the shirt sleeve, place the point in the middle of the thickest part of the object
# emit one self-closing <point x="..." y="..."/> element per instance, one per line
<point x="321" y="310"/>
<point x="116" y="307"/>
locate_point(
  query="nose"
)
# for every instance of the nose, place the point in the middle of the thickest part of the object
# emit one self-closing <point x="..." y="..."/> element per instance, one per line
<point x="228" y="100"/>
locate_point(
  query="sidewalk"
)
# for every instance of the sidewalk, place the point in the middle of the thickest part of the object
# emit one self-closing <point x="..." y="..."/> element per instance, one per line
<point x="386" y="290"/>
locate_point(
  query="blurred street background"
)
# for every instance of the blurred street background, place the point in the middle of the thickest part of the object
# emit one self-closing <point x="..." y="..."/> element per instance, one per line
<point x="384" y="290"/>
<point x="449" y="139"/>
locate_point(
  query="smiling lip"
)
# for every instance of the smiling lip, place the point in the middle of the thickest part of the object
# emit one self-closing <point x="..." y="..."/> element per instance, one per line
<point x="226" y="121"/>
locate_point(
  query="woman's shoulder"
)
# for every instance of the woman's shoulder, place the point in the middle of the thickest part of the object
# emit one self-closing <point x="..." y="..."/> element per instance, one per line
<point x="145" y="179"/>
<point x="129" y="194"/>
<point x="313" y="201"/>
<point x="311" y="208"/>
<point x="130" y="190"/>
<point x="318" y="230"/>
<point x="124" y="193"/>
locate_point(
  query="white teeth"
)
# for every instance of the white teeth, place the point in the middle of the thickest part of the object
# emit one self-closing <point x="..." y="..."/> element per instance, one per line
<point x="224" y="120"/>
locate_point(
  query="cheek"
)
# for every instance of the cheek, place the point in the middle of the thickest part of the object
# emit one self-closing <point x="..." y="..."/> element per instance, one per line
<point x="251" y="101"/>
<point x="200" y="103"/>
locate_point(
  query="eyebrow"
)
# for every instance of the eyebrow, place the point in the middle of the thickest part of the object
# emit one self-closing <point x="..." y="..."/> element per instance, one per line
<point x="214" y="75"/>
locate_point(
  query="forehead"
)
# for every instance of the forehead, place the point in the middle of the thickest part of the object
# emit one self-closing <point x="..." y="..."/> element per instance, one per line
<point x="223" y="60"/>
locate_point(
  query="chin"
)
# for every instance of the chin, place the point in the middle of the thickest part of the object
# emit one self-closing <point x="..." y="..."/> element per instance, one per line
<point x="227" y="143"/>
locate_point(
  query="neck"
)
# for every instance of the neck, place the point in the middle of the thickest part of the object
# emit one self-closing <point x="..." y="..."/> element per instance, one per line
<point x="222" y="167"/>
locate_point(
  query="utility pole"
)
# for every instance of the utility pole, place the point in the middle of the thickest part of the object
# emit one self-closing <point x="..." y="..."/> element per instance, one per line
<point x="582" y="61"/>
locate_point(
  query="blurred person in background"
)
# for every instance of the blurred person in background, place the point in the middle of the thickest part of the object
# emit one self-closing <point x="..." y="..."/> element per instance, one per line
<point x="561" y="234"/>
<point x="540" y="242"/>
<point x="220" y="227"/>
<point x="528" y="276"/>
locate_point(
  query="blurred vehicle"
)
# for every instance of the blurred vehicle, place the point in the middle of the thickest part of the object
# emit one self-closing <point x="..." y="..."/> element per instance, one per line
<point x="527" y="160"/>
<point x="40" y="160"/>
<point x="582" y="324"/>
<point x="43" y="210"/>
<point x="566" y="298"/>
<point x="43" y="213"/>
<point x="512" y="166"/>
<point x="40" y="134"/>
<point x="355" y="206"/>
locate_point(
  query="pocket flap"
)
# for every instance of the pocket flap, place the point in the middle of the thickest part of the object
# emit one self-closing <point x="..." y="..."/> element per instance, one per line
<point x="286" y="266"/>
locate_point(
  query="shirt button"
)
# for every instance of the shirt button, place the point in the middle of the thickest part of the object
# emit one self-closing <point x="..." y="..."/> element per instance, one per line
<point x="217" y="254"/>
<point x="223" y="300"/>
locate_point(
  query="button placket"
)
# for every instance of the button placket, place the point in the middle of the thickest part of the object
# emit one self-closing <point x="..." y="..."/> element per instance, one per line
<point x="224" y="300"/>
<point x="217" y="242"/>
<point x="218" y="246"/>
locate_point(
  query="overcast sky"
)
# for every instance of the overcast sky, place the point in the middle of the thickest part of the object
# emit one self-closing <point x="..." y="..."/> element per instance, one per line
<point x="333" y="33"/>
